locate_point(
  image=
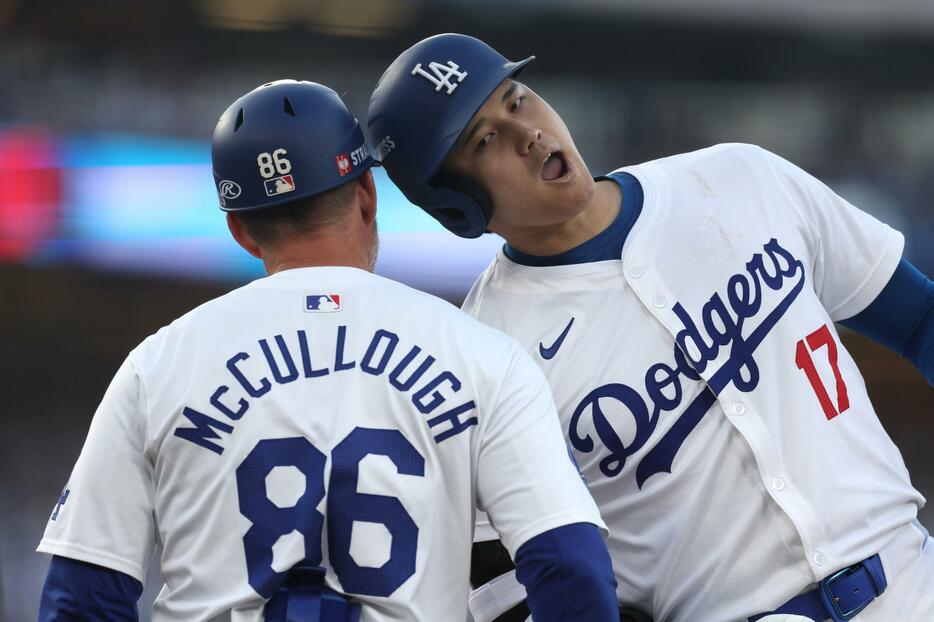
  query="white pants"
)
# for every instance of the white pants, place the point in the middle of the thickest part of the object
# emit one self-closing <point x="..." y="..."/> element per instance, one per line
<point x="909" y="596"/>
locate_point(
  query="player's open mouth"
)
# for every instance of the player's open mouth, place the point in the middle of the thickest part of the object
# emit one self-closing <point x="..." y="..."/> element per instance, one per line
<point x="555" y="167"/>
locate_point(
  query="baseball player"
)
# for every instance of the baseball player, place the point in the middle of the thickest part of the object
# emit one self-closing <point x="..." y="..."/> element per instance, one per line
<point x="312" y="446"/>
<point x="684" y="313"/>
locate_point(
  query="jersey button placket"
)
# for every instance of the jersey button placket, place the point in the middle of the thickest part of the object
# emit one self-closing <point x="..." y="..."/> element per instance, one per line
<point x="778" y="484"/>
<point x="659" y="302"/>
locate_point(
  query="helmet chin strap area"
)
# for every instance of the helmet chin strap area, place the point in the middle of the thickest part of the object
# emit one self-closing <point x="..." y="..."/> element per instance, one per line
<point x="467" y="186"/>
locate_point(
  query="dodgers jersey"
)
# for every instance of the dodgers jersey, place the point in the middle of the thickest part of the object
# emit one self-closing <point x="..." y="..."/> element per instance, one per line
<point x="724" y="430"/>
<point x="325" y="414"/>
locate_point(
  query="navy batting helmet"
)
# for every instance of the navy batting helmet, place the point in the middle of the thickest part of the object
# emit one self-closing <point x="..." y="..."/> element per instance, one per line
<point x="419" y="108"/>
<point x="284" y="141"/>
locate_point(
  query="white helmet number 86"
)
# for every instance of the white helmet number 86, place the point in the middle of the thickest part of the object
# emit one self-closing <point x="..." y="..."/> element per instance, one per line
<point x="269" y="165"/>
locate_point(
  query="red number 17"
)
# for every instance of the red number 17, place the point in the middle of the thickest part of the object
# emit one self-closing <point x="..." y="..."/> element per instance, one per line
<point x="819" y="338"/>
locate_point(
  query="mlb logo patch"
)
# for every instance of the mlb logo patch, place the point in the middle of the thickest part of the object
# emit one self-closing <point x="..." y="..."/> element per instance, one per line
<point x="322" y="303"/>
<point x="343" y="164"/>
<point x="279" y="185"/>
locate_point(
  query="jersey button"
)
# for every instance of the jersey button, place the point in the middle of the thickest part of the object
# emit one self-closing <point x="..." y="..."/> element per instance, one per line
<point x="819" y="559"/>
<point x="659" y="302"/>
<point x="738" y="408"/>
<point x="778" y="484"/>
<point x="635" y="272"/>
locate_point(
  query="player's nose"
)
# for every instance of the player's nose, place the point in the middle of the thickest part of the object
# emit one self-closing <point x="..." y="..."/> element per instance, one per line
<point x="527" y="138"/>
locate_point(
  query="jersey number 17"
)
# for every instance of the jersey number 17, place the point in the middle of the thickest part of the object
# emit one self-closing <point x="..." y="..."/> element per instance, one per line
<point x="816" y="340"/>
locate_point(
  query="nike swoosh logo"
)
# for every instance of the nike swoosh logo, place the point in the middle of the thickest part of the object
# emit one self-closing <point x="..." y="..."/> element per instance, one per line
<point x="549" y="352"/>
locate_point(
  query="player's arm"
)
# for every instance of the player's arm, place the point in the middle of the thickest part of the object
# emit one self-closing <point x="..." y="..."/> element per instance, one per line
<point x="77" y="591"/>
<point x="102" y="532"/>
<point x="902" y="318"/>
<point x="493" y="573"/>
<point x="537" y="501"/>
<point x="568" y="575"/>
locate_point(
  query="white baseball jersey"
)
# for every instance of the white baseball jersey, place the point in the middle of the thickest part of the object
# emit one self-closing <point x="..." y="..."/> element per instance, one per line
<point x="724" y="430"/>
<point x="324" y="414"/>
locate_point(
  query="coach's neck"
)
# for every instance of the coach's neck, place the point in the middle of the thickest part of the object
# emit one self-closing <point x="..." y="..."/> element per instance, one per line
<point x="348" y="241"/>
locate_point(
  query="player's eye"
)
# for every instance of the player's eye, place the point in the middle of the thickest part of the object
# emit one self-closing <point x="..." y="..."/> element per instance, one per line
<point x="483" y="141"/>
<point x="515" y="104"/>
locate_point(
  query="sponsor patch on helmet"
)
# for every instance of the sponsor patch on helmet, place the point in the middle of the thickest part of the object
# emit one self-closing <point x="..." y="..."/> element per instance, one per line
<point x="227" y="189"/>
<point x="343" y="164"/>
<point x="322" y="303"/>
<point x="279" y="185"/>
<point x="358" y="155"/>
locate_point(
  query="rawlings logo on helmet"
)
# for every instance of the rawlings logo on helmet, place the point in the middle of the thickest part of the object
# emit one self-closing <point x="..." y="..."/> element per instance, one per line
<point x="227" y="189"/>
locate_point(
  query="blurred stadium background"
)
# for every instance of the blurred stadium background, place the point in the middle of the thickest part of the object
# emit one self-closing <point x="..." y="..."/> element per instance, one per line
<point x="109" y="226"/>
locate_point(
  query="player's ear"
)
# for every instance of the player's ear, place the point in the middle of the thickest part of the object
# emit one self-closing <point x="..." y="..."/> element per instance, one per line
<point x="366" y="196"/>
<point x="242" y="236"/>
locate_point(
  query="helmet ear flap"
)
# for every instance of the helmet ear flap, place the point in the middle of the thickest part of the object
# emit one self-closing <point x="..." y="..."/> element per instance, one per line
<point x="457" y="218"/>
<point x="458" y="213"/>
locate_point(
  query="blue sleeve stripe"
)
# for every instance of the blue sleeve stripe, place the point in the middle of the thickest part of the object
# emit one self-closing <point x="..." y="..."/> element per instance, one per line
<point x="568" y="575"/>
<point x="902" y="317"/>
<point x="76" y="591"/>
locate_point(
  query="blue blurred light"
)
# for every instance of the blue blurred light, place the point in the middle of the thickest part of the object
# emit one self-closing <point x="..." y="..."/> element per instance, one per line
<point x="149" y="205"/>
<point x="93" y="150"/>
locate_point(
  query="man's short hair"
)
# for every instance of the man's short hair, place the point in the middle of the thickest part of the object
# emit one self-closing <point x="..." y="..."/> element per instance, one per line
<point x="270" y="226"/>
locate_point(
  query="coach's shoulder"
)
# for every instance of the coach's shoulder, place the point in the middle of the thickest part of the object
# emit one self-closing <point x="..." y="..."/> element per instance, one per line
<point x="177" y="332"/>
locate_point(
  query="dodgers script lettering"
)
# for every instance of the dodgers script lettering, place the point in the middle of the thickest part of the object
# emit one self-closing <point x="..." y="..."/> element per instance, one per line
<point x="723" y="319"/>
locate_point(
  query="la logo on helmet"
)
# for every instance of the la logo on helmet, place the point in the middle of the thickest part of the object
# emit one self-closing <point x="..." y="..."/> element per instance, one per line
<point x="441" y="75"/>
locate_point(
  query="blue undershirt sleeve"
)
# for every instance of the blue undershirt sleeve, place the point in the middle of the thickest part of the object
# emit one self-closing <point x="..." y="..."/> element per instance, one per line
<point x="568" y="575"/>
<point x="77" y="591"/>
<point x="902" y="318"/>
